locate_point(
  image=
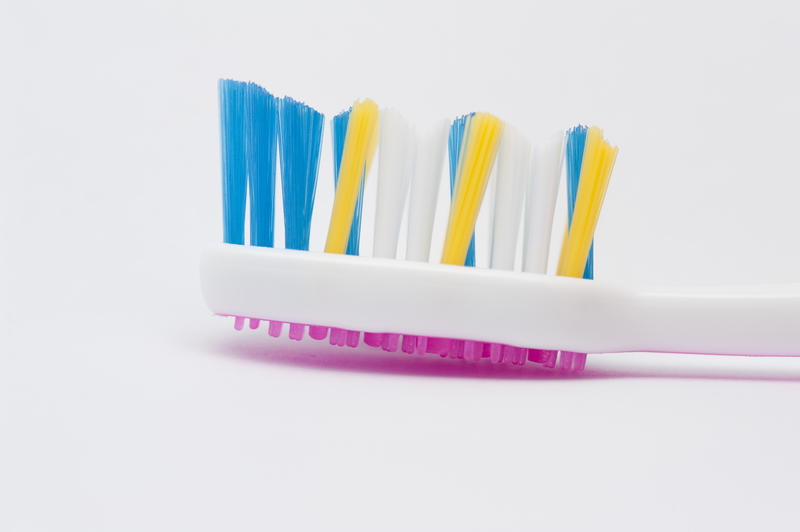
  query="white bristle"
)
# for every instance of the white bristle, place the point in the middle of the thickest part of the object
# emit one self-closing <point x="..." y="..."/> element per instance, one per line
<point x="513" y="167"/>
<point x="424" y="191"/>
<point x="395" y="167"/>
<point x="540" y="203"/>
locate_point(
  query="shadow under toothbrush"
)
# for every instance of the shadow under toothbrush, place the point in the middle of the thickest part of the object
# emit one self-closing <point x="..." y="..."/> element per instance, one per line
<point x="312" y="355"/>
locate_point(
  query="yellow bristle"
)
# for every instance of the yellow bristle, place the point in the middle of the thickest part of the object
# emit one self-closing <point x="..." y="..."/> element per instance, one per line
<point x="598" y="161"/>
<point x="481" y="139"/>
<point x="360" y="144"/>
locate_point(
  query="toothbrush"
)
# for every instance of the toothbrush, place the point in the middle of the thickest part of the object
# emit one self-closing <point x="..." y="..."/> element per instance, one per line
<point x="461" y="312"/>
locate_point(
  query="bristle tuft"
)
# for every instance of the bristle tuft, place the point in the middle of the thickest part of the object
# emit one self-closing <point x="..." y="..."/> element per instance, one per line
<point x="395" y="166"/>
<point x="300" y="142"/>
<point x="576" y="141"/>
<point x="424" y="191"/>
<point x="261" y="126"/>
<point x="360" y="144"/>
<point x="596" y="166"/>
<point x="339" y="128"/>
<point x="232" y="95"/>
<point x="513" y="167"/>
<point x="482" y="134"/>
<point x="455" y="140"/>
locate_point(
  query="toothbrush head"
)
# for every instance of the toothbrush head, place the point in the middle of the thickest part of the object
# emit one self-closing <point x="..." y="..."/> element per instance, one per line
<point x="255" y="126"/>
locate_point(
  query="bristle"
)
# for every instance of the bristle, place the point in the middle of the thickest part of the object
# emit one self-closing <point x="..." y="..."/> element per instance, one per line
<point x="456" y="348"/>
<point x="436" y="345"/>
<point x="373" y="339"/>
<point x="513" y="355"/>
<point x="317" y="332"/>
<point x="300" y="142"/>
<point x="455" y="140"/>
<point x="359" y="149"/>
<point x="352" y="338"/>
<point x="540" y="203"/>
<point x="261" y="126"/>
<point x="473" y="351"/>
<point x="232" y="95"/>
<point x="296" y="331"/>
<point x="409" y="343"/>
<point x="275" y="328"/>
<point x="395" y="166"/>
<point x="576" y="140"/>
<point x="424" y="191"/>
<point x="390" y="342"/>
<point x="338" y="336"/>
<point x="496" y="353"/>
<point x="538" y="356"/>
<point x="339" y="127"/>
<point x="565" y="362"/>
<point x="513" y="167"/>
<point x="482" y="137"/>
<point x="598" y="161"/>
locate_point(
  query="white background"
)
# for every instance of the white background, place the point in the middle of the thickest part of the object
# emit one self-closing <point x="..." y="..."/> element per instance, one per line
<point x="124" y="405"/>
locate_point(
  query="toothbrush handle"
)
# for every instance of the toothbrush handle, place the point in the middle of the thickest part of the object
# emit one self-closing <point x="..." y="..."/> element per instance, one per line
<point x="726" y="321"/>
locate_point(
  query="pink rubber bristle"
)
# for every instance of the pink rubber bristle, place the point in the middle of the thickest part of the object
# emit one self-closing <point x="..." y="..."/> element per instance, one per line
<point x="296" y="331"/>
<point x="317" y="332"/>
<point x="373" y="339"/>
<point x="469" y="350"/>
<point x="409" y="343"/>
<point x="571" y="361"/>
<point x="338" y="336"/>
<point x="438" y="346"/>
<point x="538" y="356"/>
<point x="513" y="355"/>
<point x="391" y="342"/>
<point x="496" y="353"/>
<point x="422" y="345"/>
<point x="275" y="328"/>
<point x="566" y="362"/>
<point x="456" y="349"/>
<point x="352" y="338"/>
<point x="473" y="351"/>
<point x="486" y="350"/>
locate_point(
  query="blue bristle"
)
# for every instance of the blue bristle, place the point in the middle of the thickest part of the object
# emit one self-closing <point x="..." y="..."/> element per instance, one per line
<point x="232" y="95"/>
<point x="261" y="126"/>
<point x="454" y="141"/>
<point x="339" y="127"/>
<point x="300" y="142"/>
<point x="576" y="140"/>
